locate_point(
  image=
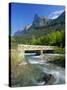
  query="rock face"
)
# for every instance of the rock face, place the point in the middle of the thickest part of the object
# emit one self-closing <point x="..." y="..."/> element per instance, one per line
<point x="24" y="30"/>
<point x="39" y="21"/>
<point x="27" y="27"/>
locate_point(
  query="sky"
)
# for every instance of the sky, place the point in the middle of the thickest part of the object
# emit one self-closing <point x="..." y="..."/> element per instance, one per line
<point x="23" y="14"/>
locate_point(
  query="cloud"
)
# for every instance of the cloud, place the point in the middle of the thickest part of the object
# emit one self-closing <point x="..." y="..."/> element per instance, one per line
<point x="55" y="14"/>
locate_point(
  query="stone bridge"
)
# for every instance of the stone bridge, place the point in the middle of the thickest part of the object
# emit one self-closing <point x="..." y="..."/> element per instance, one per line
<point x="22" y="48"/>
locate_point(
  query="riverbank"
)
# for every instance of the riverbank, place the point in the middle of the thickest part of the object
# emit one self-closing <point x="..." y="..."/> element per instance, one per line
<point x="59" y="61"/>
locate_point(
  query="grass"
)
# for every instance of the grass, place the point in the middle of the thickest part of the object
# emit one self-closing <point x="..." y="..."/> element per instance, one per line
<point x="21" y="75"/>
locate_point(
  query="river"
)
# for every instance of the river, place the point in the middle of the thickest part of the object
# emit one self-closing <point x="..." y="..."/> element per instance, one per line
<point x="42" y="69"/>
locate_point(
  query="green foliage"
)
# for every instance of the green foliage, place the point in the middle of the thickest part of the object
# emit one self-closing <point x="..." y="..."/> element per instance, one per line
<point x="59" y="50"/>
<point x="51" y="38"/>
<point x="34" y="41"/>
<point x="54" y="38"/>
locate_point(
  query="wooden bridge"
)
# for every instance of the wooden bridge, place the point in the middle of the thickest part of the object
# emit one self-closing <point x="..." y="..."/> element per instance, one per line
<point x="22" y="48"/>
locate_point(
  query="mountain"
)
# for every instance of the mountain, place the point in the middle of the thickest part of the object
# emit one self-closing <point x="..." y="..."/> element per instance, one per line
<point x="24" y="30"/>
<point x="41" y="26"/>
<point x="39" y="22"/>
<point x="59" y="20"/>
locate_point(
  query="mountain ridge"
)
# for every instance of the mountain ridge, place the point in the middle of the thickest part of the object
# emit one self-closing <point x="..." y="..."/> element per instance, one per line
<point x="42" y="23"/>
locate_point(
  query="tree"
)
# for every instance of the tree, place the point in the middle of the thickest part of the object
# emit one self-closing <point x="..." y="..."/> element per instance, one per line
<point x="33" y="41"/>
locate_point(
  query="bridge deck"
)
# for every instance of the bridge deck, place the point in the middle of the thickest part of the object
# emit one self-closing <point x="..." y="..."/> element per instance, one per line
<point x="35" y="47"/>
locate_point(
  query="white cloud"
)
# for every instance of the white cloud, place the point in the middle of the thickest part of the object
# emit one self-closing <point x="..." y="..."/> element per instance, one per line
<point x="55" y="14"/>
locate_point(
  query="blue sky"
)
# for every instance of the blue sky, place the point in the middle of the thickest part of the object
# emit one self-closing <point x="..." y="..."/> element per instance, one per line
<point x="23" y="14"/>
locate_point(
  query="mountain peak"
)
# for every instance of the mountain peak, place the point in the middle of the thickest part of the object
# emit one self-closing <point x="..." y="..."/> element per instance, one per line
<point x="39" y="21"/>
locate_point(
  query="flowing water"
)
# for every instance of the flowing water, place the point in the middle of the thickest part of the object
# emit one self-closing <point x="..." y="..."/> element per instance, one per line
<point x="43" y="69"/>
